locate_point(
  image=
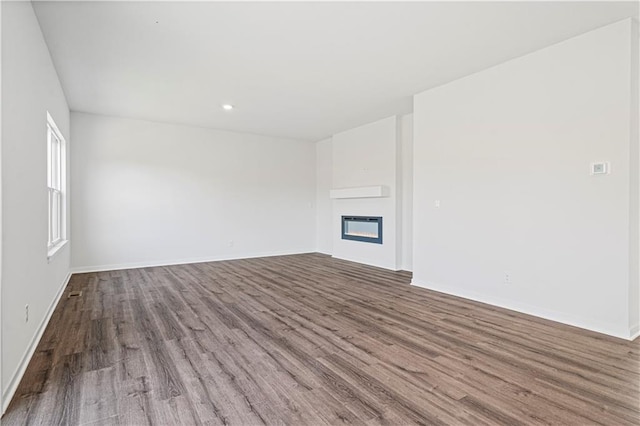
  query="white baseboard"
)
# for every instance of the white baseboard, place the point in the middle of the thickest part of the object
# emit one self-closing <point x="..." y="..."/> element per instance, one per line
<point x="150" y="264"/>
<point x="634" y="332"/>
<point x="559" y="317"/>
<point x="26" y="358"/>
<point x="366" y="262"/>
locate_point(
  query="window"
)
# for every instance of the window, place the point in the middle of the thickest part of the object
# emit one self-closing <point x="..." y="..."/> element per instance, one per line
<point x="56" y="184"/>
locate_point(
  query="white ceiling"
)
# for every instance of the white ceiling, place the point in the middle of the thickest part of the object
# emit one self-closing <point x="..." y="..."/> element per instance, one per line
<point x="299" y="70"/>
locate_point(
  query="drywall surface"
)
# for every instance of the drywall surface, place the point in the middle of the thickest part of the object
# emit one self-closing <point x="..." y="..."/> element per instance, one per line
<point x="366" y="156"/>
<point x="30" y="88"/>
<point x="324" y="237"/>
<point x="406" y="204"/>
<point x="2" y="396"/>
<point x="506" y="153"/>
<point x="634" y="168"/>
<point x="328" y="225"/>
<point x="149" y="193"/>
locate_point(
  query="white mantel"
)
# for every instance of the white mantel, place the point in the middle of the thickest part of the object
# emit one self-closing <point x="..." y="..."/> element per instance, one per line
<point x="376" y="191"/>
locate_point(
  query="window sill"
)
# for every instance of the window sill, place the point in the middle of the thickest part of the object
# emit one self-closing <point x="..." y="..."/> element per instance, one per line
<point x="53" y="251"/>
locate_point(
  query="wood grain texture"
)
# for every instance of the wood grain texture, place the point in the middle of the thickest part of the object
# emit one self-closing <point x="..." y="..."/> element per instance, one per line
<point x="311" y="340"/>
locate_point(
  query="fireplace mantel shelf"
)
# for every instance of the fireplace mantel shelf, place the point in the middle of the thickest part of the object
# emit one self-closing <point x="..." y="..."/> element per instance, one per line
<point x="360" y="192"/>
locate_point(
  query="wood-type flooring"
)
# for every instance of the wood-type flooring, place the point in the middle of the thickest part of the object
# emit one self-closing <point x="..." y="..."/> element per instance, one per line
<point x="311" y="340"/>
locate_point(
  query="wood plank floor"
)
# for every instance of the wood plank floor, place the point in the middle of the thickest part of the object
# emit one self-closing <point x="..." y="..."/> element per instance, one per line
<point x="310" y="340"/>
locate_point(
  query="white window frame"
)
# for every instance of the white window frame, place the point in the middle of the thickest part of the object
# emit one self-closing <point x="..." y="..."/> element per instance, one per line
<point x="56" y="188"/>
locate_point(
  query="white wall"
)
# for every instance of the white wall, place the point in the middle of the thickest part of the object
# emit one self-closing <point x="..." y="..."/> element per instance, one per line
<point x="406" y="202"/>
<point x="2" y="396"/>
<point x="366" y="156"/>
<point x="324" y="234"/>
<point x="507" y="152"/>
<point x="634" y="165"/>
<point x="149" y="193"/>
<point x="30" y="88"/>
<point x="368" y="168"/>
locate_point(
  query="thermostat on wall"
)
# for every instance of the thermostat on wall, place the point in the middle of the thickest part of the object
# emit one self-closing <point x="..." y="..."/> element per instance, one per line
<point x="601" y="168"/>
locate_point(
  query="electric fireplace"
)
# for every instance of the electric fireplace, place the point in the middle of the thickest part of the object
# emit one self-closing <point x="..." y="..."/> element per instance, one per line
<point x="367" y="229"/>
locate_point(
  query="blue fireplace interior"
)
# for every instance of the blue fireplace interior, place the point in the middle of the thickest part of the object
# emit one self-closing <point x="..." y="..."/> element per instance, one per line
<point x="367" y="229"/>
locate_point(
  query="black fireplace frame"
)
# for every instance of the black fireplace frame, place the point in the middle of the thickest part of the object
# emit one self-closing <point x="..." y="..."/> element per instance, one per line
<point x="376" y="219"/>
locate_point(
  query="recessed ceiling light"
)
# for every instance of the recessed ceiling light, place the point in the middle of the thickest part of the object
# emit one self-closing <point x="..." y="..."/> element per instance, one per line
<point x="227" y="107"/>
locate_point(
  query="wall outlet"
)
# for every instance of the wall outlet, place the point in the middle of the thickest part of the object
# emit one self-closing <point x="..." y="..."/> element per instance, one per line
<point x="26" y="313"/>
<point x="507" y="278"/>
<point x="231" y="243"/>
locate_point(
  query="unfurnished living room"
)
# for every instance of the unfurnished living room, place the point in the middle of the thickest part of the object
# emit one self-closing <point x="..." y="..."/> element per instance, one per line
<point x="320" y="213"/>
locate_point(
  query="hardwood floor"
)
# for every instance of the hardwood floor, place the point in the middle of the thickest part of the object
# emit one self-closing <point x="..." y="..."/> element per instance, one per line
<point x="310" y="340"/>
